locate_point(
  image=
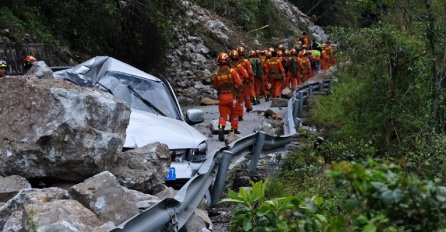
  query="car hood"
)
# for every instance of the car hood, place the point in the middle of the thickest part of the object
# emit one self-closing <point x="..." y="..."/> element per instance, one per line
<point x="145" y="128"/>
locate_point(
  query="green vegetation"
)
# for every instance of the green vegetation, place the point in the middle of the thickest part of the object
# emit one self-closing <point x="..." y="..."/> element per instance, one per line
<point x="257" y="213"/>
<point x="381" y="167"/>
<point x="136" y="31"/>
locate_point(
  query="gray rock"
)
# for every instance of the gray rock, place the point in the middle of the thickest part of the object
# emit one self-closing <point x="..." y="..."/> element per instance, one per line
<point x="143" y="169"/>
<point x="191" y="83"/>
<point x="40" y="70"/>
<point x="59" y="215"/>
<point x="30" y="196"/>
<point x="186" y="65"/>
<point x="57" y="129"/>
<point x="218" y="29"/>
<point x="105" y="228"/>
<point x="141" y="200"/>
<point x="11" y="185"/>
<point x="207" y="81"/>
<point x="194" y="39"/>
<point x="190" y="46"/>
<point x="103" y="195"/>
<point x="199" y="74"/>
<point x="200" y="59"/>
<point x="189" y="13"/>
<point x="198" y="221"/>
<point x="287" y="92"/>
<point x="202" y="49"/>
<point x="272" y="127"/>
<point x="14" y="222"/>
<point x="166" y="193"/>
<point x="279" y="102"/>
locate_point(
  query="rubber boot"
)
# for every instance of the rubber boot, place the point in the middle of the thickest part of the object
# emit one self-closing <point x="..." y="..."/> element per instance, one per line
<point x="255" y="101"/>
<point x="221" y="133"/>
<point x="235" y="131"/>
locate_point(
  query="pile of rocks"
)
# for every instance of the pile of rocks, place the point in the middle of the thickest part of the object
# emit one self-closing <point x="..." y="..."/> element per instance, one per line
<point x="59" y="134"/>
<point x="97" y="204"/>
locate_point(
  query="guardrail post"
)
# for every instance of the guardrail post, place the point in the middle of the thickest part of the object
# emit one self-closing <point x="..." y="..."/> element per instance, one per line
<point x="257" y="151"/>
<point x="310" y="91"/>
<point x="301" y="103"/>
<point x="219" y="183"/>
<point x="321" y="86"/>
<point x="296" y="110"/>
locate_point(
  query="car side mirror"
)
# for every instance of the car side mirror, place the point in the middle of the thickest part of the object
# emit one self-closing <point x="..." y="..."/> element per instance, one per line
<point x="194" y="116"/>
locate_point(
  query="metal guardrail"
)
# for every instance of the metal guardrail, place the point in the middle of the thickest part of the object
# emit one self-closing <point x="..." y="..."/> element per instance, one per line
<point x="171" y="214"/>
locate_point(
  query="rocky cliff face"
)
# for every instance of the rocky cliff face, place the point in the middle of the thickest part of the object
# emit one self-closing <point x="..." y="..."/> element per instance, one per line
<point x="203" y="35"/>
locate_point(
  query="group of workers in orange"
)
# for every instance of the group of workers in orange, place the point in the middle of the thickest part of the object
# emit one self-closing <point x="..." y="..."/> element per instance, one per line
<point x="241" y="77"/>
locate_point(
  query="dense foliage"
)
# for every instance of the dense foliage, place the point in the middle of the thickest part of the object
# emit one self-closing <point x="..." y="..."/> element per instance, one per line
<point x="384" y="197"/>
<point x="391" y="82"/>
<point x="135" y="31"/>
<point x="257" y="213"/>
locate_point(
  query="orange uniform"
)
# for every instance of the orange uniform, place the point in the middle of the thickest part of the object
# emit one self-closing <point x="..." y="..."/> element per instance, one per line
<point x="294" y="73"/>
<point x="226" y="82"/>
<point x="305" y="67"/>
<point x="276" y="74"/>
<point x="330" y="52"/>
<point x="244" y="91"/>
<point x="249" y="92"/>
<point x="325" y="60"/>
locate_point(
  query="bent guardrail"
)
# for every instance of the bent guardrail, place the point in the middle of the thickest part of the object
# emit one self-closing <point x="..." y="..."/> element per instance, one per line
<point x="171" y="214"/>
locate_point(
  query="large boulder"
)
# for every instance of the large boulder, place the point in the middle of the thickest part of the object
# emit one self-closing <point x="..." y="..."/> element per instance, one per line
<point x="11" y="185"/>
<point x="143" y="169"/>
<point x="55" y="129"/>
<point x="103" y="195"/>
<point x="25" y="197"/>
<point x="59" y="215"/>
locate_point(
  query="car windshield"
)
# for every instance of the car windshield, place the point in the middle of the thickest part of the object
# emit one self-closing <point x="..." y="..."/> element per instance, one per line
<point x="140" y="93"/>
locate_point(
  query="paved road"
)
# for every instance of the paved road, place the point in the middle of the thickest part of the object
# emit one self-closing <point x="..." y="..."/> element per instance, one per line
<point x="250" y="123"/>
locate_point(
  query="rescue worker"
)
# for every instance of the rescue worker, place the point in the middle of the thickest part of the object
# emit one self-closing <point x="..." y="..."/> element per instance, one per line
<point x="302" y="51"/>
<point x="244" y="91"/>
<point x="28" y="62"/>
<point x="250" y="93"/>
<point x="268" y="82"/>
<point x="325" y="60"/>
<point x="316" y="46"/>
<point x="294" y="71"/>
<point x="330" y="51"/>
<point x="262" y="58"/>
<point x="3" y="67"/>
<point x="226" y="82"/>
<point x="276" y="73"/>
<point x="257" y="68"/>
<point x="305" y="66"/>
<point x="306" y="40"/>
<point x="286" y="67"/>
<point x="316" y="54"/>
<point x="281" y="48"/>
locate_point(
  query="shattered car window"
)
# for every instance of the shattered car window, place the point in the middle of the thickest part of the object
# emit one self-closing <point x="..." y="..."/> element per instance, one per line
<point x="158" y="100"/>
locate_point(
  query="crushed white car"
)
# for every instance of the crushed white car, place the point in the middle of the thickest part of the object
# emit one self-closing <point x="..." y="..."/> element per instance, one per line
<point x="155" y="116"/>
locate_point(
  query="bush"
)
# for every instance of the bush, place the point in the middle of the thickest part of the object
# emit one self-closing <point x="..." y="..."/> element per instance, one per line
<point x="347" y="149"/>
<point x="256" y="213"/>
<point x="383" y="197"/>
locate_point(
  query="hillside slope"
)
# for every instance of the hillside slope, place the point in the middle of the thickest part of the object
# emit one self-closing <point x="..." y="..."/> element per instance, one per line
<point x="179" y="39"/>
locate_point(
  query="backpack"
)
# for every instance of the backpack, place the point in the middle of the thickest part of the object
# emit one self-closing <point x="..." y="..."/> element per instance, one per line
<point x="257" y="68"/>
